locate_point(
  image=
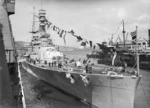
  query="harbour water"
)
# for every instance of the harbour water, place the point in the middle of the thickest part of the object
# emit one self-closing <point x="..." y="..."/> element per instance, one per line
<point x="142" y="96"/>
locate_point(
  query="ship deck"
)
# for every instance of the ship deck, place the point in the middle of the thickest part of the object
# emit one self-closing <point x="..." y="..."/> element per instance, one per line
<point x="98" y="69"/>
<point x="142" y="96"/>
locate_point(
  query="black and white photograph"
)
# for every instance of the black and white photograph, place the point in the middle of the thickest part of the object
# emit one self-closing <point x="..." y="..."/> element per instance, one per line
<point x="74" y="53"/>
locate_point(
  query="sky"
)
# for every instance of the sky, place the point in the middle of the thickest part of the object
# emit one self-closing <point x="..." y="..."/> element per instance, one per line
<point x="94" y="20"/>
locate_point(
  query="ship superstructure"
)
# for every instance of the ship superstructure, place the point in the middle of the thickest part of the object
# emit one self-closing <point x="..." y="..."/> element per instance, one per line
<point x="40" y="36"/>
<point x="42" y="47"/>
<point x="144" y="51"/>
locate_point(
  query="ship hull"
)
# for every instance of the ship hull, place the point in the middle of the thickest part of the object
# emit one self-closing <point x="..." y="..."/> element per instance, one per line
<point x="103" y="91"/>
<point x="144" y="61"/>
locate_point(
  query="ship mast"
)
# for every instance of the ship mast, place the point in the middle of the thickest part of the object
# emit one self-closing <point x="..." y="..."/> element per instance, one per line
<point x="137" y="54"/>
<point x="123" y="33"/>
<point x="41" y="4"/>
<point x="33" y="26"/>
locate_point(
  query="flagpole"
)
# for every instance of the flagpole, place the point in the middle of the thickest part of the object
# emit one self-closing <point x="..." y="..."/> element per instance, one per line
<point x="137" y="55"/>
<point x="123" y="34"/>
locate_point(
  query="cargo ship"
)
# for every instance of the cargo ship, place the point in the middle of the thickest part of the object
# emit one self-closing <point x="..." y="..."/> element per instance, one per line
<point x="127" y="50"/>
<point x="101" y="86"/>
<point x="143" y="47"/>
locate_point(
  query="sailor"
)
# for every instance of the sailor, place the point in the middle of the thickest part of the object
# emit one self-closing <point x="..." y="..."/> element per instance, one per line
<point x="123" y="66"/>
<point x="75" y="64"/>
<point x="36" y="59"/>
<point x="59" y="65"/>
<point x="39" y="61"/>
<point x="52" y="64"/>
<point x="86" y="68"/>
<point x="34" y="62"/>
<point x="45" y="62"/>
<point x="67" y="61"/>
<point x="49" y="64"/>
<point x="30" y="60"/>
<point x="84" y="61"/>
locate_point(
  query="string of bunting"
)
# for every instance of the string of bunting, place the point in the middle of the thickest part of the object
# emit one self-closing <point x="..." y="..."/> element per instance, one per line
<point x="62" y="34"/>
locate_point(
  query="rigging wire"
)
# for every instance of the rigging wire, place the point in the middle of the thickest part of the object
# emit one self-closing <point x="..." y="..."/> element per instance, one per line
<point x="43" y="4"/>
<point x="126" y="37"/>
<point x="117" y="28"/>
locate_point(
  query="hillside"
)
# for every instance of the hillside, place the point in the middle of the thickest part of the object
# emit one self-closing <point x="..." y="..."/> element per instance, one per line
<point x="20" y="44"/>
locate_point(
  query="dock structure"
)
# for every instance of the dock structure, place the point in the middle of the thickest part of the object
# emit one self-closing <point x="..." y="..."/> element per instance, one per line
<point x="6" y="94"/>
<point x="10" y="88"/>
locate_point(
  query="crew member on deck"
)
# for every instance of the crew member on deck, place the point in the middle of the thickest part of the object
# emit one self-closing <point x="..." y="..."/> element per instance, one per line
<point x="84" y="61"/>
<point x="124" y="66"/>
<point x="59" y="65"/>
<point x="86" y="68"/>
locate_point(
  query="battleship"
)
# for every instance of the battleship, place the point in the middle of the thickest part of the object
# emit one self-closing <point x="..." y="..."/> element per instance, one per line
<point x="101" y="86"/>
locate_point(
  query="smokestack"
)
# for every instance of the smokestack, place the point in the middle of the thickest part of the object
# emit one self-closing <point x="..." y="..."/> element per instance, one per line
<point x="149" y="37"/>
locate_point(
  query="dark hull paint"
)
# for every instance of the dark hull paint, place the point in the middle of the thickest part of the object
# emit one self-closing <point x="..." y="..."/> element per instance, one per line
<point x="145" y="61"/>
<point x="103" y="91"/>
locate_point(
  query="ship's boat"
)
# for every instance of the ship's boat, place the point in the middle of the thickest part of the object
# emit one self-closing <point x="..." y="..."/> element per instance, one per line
<point x="101" y="86"/>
